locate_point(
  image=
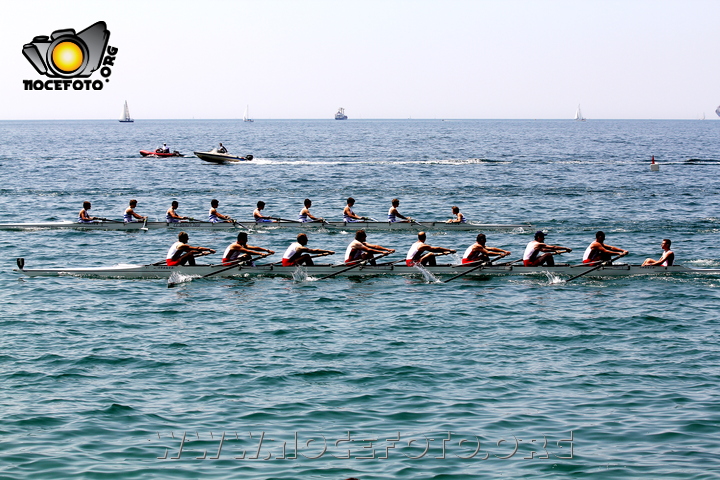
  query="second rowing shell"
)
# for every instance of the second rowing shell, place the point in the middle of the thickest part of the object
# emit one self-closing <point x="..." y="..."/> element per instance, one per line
<point x="197" y="225"/>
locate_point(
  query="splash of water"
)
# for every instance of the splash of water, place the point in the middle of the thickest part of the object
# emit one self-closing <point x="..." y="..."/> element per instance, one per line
<point x="429" y="277"/>
<point x="177" y="278"/>
<point x="554" y="279"/>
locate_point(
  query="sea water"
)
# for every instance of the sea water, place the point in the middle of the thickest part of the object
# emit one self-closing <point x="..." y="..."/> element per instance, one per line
<point x="383" y="377"/>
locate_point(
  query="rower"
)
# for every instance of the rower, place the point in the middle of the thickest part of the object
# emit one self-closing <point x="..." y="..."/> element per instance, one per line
<point x="259" y="217"/>
<point x="171" y="216"/>
<point x="478" y="252"/>
<point x="532" y="256"/>
<point x="458" y="218"/>
<point x="84" y="215"/>
<point x="359" y="249"/>
<point x="130" y="215"/>
<point x="221" y="149"/>
<point x="424" y="254"/>
<point x="181" y="253"/>
<point x="348" y="215"/>
<point x="216" y="217"/>
<point x="667" y="259"/>
<point x="305" y="215"/>
<point x="393" y="213"/>
<point x="597" y="251"/>
<point x="299" y="254"/>
<point x="240" y="251"/>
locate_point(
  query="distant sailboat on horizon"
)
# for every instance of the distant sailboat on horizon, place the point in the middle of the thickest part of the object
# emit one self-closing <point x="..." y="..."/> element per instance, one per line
<point x="126" y="114"/>
<point x="717" y="110"/>
<point x="246" y="118"/>
<point x="580" y="118"/>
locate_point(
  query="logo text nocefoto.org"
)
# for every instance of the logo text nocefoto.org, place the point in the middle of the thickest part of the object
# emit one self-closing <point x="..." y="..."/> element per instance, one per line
<point x="67" y="57"/>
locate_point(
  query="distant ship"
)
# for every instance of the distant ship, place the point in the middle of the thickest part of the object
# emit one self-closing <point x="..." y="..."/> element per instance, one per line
<point x="340" y="115"/>
<point x="126" y="115"/>
<point x="578" y="115"/>
<point x="246" y="118"/>
<point x="717" y="110"/>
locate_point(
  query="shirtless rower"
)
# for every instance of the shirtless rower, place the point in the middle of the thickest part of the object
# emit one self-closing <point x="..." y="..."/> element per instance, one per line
<point x="305" y="215"/>
<point x="458" y="218"/>
<point x="393" y="213"/>
<point x="478" y="252"/>
<point x="539" y="253"/>
<point x="598" y="252"/>
<point x="667" y="259"/>
<point x="181" y="253"/>
<point x="130" y="214"/>
<point x="349" y="215"/>
<point x="299" y="254"/>
<point x="240" y="251"/>
<point x="424" y="254"/>
<point x="216" y="217"/>
<point x="259" y="217"/>
<point x="359" y="250"/>
<point x="84" y="215"/>
<point x="171" y="216"/>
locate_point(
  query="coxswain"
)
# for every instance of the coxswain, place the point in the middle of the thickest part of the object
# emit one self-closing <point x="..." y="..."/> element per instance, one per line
<point x="360" y="250"/>
<point x="478" y="252"/>
<point x="181" y="253"/>
<point x="216" y="217"/>
<point x="393" y="213"/>
<point x="240" y="251"/>
<point x="299" y="254"/>
<point x="667" y="258"/>
<point x="221" y="149"/>
<point x="597" y="251"/>
<point x="130" y="214"/>
<point x="259" y="217"/>
<point x="539" y="253"/>
<point x="305" y="215"/>
<point x="458" y="216"/>
<point x="84" y="215"/>
<point x="171" y="216"/>
<point x="348" y="215"/>
<point x="424" y="254"/>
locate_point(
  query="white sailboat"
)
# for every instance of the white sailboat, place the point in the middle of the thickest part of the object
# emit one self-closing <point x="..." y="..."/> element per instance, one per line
<point x="717" y="110"/>
<point x="246" y="118"/>
<point x="126" y="115"/>
<point x="579" y="117"/>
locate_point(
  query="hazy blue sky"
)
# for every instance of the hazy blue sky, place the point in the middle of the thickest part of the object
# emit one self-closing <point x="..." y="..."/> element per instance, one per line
<point x="379" y="59"/>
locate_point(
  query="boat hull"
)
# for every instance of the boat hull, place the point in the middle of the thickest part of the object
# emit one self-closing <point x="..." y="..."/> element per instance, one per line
<point x="221" y="157"/>
<point x="152" y="153"/>
<point x="164" y="271"/>
<point x="332" y="226"/>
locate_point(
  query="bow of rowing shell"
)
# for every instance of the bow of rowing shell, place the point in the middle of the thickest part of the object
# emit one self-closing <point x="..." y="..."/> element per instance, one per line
<point x="164" y="271"/>
<point x="198" y="225"/>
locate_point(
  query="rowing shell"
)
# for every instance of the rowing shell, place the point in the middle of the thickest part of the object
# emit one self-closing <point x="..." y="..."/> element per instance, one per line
<point x="164" y="271"/>
<point x="198" y="225"/>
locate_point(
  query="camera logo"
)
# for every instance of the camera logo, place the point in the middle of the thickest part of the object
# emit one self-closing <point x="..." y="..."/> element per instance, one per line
<point x="67" y="55"/>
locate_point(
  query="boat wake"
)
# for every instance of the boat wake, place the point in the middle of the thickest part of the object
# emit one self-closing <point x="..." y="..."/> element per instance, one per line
<point x="554" y="279"/>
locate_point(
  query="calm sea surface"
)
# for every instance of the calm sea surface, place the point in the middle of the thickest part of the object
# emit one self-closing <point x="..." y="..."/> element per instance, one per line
<point x="374" y="378"/>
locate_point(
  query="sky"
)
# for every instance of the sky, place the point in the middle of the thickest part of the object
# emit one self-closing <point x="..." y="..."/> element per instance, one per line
<point x="379" y="59"/>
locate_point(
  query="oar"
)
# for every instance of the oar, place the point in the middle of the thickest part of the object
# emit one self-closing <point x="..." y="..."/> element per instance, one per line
<point x="358" y="264"/>
<point x="607" y="262"/>
<point x="484" y="264"/>
<point x="312" y="256"/>
<point x="144" y="225"/>
<point x="109" y="220"/>
<point x="285" y="220"/>
<point x="234" y="264"/>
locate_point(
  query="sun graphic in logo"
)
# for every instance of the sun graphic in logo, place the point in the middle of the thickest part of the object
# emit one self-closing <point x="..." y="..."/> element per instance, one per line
<point x="67" y="56"/>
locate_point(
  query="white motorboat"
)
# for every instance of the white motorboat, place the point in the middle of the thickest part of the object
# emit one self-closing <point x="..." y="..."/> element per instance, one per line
<point x="214" y="156"/>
